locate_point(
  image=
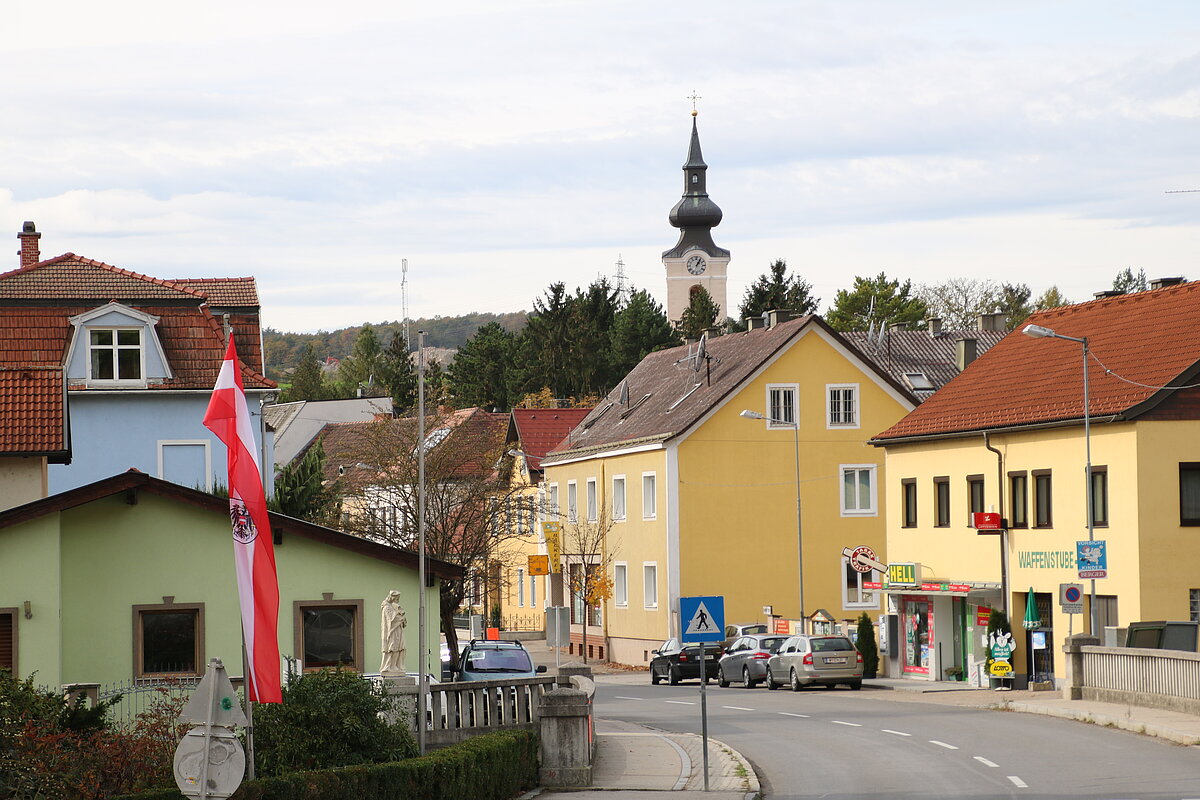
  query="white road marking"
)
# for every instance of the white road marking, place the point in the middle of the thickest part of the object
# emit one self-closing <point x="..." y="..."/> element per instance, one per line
<point x="897" y="733"/>
<point x="1020" y="784"/>
<point x="680" y="702"/>
<point x="790" y="714"/>
<point x="851" y="724"/>
<point x="931" y="741"/>
<point x="737" y="708"/>
<point x="622" y="697"/>
<point x="985" y="762"/>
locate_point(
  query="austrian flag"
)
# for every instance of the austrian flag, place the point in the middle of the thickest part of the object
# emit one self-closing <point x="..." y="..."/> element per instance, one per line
<point x="258" y="587"/>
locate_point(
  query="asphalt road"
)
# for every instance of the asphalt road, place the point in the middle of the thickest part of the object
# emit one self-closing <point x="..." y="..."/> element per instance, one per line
<point x="822" y="743"/>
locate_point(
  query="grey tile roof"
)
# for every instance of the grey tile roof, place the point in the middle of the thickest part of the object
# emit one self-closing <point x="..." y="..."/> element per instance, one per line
<point x="899" y="352"/>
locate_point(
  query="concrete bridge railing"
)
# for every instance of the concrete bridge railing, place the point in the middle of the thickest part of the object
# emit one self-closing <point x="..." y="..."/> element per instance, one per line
<point x="1149" y="678"/>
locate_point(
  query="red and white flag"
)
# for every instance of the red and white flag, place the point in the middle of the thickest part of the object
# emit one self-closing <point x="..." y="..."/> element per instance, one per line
<point x="258" y="587"/>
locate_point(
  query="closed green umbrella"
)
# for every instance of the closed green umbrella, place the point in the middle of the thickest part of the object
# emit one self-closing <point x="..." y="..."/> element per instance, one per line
<point x="1032" y="619"/>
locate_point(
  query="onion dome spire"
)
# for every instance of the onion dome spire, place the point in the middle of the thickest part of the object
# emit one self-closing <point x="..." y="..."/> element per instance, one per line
<point x="695" y="214"/>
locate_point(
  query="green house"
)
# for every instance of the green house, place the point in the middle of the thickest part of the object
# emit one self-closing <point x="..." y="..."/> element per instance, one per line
<point x="133" y="578"/>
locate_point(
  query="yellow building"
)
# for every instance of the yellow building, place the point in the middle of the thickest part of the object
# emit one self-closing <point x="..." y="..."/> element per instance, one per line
<point x="1008" y="436"/>
<point x="697" y="499"/>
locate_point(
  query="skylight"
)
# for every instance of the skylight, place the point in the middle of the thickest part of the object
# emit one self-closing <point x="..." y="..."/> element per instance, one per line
<point x="919" y="381"/>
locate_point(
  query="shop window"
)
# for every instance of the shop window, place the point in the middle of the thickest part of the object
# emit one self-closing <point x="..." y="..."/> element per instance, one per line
<point x="168" y="639"/>
<point x="1189" y="493"/>
<point x="975" y="502"/>
<point x="1018" y="486"/>
<point x="941" y="494"/>
<point x="329" y="633"/>
<point x="1042" y="499"/>
<point x="916" y="636"/>
<point x="908" y="487"/>
<point x="1100" y="497"/>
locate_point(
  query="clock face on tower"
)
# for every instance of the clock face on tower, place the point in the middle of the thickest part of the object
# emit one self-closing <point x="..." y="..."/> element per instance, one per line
<point x="695" y="265"/>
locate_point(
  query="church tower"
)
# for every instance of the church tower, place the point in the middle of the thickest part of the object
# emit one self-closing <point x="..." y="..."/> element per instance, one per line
<point x="695" y="260"/>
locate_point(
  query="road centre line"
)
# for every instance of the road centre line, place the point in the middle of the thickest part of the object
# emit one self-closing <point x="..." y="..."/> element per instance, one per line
<point x="1020" y="784"/>
<point x="680" y="702"/>
<point x="896" y="733"/>
<point x="942" y="744"/>
<point x="737" y="708"/>
<point x="790" y="714"/>
<point x="622" y="697"/>
<point x="851" y="724"/>
<point x="985" y="762"/>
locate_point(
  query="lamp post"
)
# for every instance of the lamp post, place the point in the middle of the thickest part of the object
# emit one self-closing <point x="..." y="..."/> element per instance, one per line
<point x="1039" y="332"/>
<point x="795" y="425"/>
<point x="423" y="679"/>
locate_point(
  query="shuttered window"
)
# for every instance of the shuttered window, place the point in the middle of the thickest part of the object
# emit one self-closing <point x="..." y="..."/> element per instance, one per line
<point x="8" y="640"/>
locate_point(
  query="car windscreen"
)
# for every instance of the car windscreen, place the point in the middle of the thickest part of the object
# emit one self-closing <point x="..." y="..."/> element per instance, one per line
<point x="749" y="629"/>
<point x="772" y="645"/>
<point x="831" y="643"/>
<point x="507" y="660"/>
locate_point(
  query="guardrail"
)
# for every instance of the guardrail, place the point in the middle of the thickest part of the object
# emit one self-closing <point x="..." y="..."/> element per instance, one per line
<point x="1150" y="678"/>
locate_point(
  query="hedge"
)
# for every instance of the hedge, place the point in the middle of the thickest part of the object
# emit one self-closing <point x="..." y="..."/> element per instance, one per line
<point x="494" y="766"/>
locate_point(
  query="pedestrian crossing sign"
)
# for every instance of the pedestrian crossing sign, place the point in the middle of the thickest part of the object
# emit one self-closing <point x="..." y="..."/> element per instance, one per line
<point x="703" y="619"/>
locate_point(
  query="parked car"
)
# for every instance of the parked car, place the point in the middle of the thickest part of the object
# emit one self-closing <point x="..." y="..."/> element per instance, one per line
<point x="487" y="660"/>
<point x="677" y="661"/>
<point x="746" y="659"/>
<point x="735" y="632"/>
<point x="815" y="660"/>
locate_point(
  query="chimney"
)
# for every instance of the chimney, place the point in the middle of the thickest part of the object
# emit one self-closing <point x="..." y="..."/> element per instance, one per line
<point x="965" y="351"/>
<point x="754" y="323"/>
<point x="935" y="326"/>
<point x="1108" y="293"/>
<point x="777" y="315"/>
<point x="991" y="322"/>
<point x="29" y="244"/>
<point x="1162" y="283"/>
<point x="714" y="331"/>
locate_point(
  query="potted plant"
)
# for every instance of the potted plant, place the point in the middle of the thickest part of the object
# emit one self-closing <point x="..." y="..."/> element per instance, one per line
<point x="953" y="672"/>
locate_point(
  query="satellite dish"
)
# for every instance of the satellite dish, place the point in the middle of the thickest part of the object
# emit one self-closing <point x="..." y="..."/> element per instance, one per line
<point x="624" y="399"/>
<point x="701" y="352"/>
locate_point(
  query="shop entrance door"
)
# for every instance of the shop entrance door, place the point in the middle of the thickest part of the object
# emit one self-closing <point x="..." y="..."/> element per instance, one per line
<point x="1040" y="641"/>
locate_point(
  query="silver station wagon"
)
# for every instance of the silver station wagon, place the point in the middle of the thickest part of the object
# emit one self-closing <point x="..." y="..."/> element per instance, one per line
<point x="815" y="660"/>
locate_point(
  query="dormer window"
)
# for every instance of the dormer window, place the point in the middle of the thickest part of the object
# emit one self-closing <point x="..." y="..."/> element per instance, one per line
<point x="115" y="354"/>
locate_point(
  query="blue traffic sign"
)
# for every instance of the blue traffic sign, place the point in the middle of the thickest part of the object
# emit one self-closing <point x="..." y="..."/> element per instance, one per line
<point x="1091" y="559"/>
<point x="703" y="619"/>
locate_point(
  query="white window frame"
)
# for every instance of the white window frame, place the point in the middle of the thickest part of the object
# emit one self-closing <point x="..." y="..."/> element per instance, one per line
<point x="621" y="584"/>
<point x="572" y="501"/>
<point x="863" y="577"/>
<point x="650" y="584"/>
<point x="873" y="470"/>
<point x="533" y="591"/>
<point x="618" y="513"/>
<point x="830" y="388"/>
<point x="593" y="504"/>
<point x="794" y="390"/>
<point x="551" y="507"/>
<point x="520" y="587"/>
<point x="205" y="443"/>
<point x="650" y="509"/>
<point x="116" y="348"/>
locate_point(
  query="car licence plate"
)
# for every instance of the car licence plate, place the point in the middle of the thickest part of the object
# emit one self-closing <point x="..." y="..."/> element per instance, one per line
<point x="835" y="660"/>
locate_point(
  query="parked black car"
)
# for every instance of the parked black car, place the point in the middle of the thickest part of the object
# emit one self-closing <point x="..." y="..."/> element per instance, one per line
<point x="676" y="661"/>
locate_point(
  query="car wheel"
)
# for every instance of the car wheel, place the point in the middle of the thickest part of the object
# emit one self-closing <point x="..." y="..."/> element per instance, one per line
<point x="673" y="676"/>
<point x="795" y="681"/>
<point x="750" y="684"/>
<point x="771" y="684"/>
<point x="654" y="676"/>
<point x="856" y="685"/>
<point x="722" y="681"/>
<point x="831" y="686"/>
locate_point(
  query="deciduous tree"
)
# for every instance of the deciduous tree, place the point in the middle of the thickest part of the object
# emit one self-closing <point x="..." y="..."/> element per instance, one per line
<point x="958" y="302"/>
<point x="589" y="555"/>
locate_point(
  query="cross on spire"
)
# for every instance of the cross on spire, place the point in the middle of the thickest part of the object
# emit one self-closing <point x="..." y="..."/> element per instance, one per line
<point x="694" y="97"/>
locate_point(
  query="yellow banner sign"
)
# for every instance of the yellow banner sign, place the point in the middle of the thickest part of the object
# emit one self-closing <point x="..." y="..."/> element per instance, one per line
<point x="1000" y="668"/>
<point x="539" y="565"/>
<point x="552" y="531"/>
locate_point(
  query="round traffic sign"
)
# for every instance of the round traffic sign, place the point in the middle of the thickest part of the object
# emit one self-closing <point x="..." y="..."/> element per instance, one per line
<point x="1072" y="594"/>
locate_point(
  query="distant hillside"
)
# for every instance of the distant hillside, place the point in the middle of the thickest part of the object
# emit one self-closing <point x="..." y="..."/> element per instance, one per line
<point x="283" y="350"/>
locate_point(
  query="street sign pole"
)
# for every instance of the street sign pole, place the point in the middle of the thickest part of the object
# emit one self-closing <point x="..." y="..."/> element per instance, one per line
<point x="704" y="709"/>
<point x="705" y="624"/>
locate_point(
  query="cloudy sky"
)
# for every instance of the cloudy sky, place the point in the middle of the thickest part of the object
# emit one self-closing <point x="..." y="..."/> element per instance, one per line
<point x="500" y="146"/>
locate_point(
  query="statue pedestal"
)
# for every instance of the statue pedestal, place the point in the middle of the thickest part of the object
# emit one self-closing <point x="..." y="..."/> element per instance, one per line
<point x="404" y="689"/>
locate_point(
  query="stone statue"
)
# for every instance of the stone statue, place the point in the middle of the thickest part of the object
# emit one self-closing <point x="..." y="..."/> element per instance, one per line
<point x="392" y="635"/>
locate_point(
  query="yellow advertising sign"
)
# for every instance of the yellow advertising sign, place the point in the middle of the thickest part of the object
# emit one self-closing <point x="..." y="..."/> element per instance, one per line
<point x="552" y="531"/>
<point x="539" y="565"/>
<point x="1000" y="668"/>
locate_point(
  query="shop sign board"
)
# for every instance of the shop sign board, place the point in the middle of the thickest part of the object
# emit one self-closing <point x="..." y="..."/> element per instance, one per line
<point x="1092" y="558"/>
<point x="872" y="584"/>
<point x="986" y="521"/>
<point x="904" y="574"/>
<point x="1001" y="646"/>
<point x="945" y="587"/>
<point x="781" y="626"/>
<point x="983" y="615"/>
<point x="1070" y="597"/>
<point x="539" y="565"/>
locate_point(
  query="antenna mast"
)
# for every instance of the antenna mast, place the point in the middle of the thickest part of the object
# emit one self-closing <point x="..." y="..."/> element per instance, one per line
<point x="404" y="302"/>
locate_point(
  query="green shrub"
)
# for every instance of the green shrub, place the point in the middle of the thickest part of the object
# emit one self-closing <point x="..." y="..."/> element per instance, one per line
<point x="328" y="718"/>
<point x="867" y="646"/>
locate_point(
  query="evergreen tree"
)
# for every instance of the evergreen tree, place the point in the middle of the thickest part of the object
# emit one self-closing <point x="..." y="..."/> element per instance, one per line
<point x="1014" y="301"/>
<point x="477" y="374"/>
<point x="437" y="388"/>
<point x="1051" y="298"/>
<point x="867" y="646"/>
<point x="1127" y="282"/>
<point x="398" y="372"/>
<point x="700" y="315"/>
<point x="893" y="303"/>
<point x="307" y="381"/>
<point x="300" y="490"/>
<point x="361" y="370"/>
<point x="548" y="338"/>
<point x="641" y="327"/>
<point x="776" y="290"/>
<point x="593" y="313"/>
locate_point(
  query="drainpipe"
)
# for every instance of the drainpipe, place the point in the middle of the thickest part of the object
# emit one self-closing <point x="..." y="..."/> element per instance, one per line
<point x="1004" y="529"/>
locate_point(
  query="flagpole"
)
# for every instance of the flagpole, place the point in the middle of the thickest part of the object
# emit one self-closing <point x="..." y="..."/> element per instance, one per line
<point x="423" y="679"/>
<point x="249" y="711"/>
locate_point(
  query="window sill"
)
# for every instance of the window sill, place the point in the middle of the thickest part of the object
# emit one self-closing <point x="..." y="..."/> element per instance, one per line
<point x="871" y="513"/>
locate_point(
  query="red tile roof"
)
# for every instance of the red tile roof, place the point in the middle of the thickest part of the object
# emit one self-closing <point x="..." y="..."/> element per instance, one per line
<point x="32" y="411"/>
<point x="1149" y="337"/>
<point x="224" y="291"/>
<point x="539" y="430"/>
<point x="35" y="331"/>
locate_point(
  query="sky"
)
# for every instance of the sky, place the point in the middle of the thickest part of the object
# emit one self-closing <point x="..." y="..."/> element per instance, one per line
<point x="500" y="147"/>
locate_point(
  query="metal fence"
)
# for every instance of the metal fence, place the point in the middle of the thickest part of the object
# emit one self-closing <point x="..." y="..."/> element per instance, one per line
<point x="524" y="622"/>
<point x="139" y="695"/>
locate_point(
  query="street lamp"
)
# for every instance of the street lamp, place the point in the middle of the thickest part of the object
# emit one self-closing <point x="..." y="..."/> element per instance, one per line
<point x="795" y="425"/>
<point x="1039" y="332"/>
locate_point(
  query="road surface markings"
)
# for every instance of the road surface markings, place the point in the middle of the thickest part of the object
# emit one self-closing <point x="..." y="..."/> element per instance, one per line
<point x="737" y="708"/>
<point x="1017" y="782"/>
<point x="790" y="714"/>
<point x="851" y="724"/>
<point x="622" y="697"/>
<point x="896" y="733"/>
<point x="935" y="741"/>
<point x="985" y="762"/>
<point x="680" y="702"/>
